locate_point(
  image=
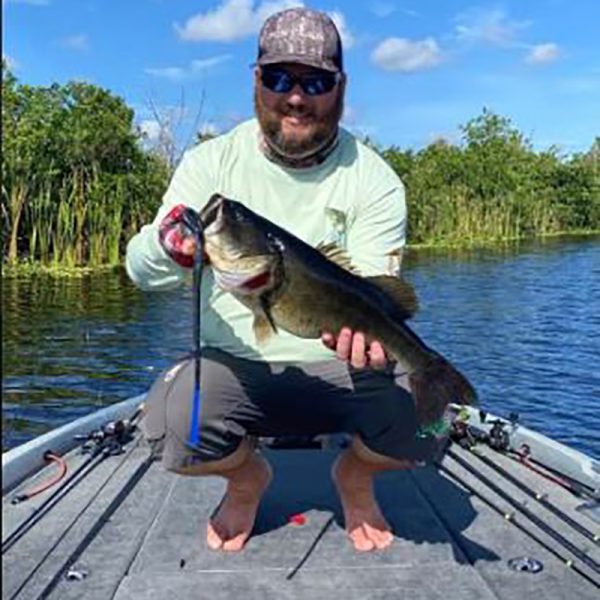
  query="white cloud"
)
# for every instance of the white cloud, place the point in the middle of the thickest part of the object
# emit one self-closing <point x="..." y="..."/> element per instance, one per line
<point x="11" y="63"/>
<point x="382" y="9"/>
<point x="205" y="64"/>
<point x="543" y="54"/>
<point x="208" y="128"/>
<point x="349" y="115"/>
<point x="488" y="26"/>
<point x="167" y="72"/>
<point x="400" y="54"/>
<point x="340" y="22"/>
<point x="79" y="42"/>
<point x="151" y="129"/>
<point x="230" y="21"/>
<point x="410" y="12"/>
<point x="195" y="67"/>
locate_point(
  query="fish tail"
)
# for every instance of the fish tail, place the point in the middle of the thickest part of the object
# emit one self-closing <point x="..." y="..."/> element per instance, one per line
<point x="436" y="385"/>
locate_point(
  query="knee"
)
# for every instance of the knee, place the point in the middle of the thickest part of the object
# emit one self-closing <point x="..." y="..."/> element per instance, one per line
<point x="375" y="459"/>
<point x="390" y="411"/>
<point x="216" y="467"/>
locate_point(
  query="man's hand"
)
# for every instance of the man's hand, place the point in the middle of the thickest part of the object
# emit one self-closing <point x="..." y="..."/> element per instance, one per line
<point x="176" y="237"/>
<point x="351" y="346"/>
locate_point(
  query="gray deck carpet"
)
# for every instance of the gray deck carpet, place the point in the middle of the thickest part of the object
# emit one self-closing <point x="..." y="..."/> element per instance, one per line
<point x="137" y="532"/>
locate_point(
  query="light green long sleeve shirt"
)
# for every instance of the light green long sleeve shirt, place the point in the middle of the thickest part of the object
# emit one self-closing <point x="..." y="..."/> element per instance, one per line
<point x="353" y="198"/>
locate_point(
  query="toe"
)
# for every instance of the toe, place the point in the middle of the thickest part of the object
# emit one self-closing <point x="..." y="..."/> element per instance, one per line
<point x="213" y="539"/>
<point x="360" y="540"/>
<point x="236" y="543"/>
<point x="380" y="536"/>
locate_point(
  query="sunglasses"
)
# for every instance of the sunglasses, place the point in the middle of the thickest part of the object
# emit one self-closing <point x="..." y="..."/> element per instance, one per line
<point x="312" y="84"/>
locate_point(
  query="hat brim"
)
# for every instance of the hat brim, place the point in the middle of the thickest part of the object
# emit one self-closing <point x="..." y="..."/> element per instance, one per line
<point x="271" y="59"/>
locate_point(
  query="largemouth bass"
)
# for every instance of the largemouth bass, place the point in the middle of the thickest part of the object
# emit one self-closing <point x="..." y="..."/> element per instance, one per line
<point x="306" y="291"/>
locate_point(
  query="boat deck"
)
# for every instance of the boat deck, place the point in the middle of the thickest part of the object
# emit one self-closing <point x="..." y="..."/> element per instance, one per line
<point x="130" y="530"/>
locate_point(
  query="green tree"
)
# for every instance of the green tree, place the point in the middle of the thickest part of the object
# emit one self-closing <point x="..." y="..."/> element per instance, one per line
<point x="75" y="179"/>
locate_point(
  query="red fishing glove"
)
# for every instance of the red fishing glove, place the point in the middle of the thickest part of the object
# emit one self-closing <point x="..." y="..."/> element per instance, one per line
<point x="176" y="237"/>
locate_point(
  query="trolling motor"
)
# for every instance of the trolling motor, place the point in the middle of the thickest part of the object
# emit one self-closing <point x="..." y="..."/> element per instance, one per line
<point x="192" y="221"/>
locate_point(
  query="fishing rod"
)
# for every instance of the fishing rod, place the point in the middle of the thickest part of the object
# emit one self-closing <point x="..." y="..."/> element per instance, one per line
<point x="192" y="221"/>
<point x="124" y="491"/>
<point x="467" y="439"/>
<point x="572" y="485"/>
<point x="103" y="518"/>
<point x="582" y="556"/>
<point x="498" y="439"/>
<point x="540" y="497"/>
<point x="511" y="518"/>
<point x="69" y="484"/>
<point x="100" y="444"/>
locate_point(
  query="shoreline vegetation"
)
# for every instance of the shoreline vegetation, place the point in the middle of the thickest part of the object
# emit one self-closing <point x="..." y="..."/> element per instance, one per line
<point x="79" y="179"/>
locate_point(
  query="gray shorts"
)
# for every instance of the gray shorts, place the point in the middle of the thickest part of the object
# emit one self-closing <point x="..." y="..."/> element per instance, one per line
<point x="242" y="398"/>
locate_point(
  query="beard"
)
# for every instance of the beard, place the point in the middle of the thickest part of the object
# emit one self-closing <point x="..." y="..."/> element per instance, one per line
<point x="316" y="136"/>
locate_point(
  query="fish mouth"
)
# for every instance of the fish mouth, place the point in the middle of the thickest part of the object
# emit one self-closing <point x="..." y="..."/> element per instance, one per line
<point x="241" y="281"/>
<point x="212" y="215"/>
<point x="214" y="228"/>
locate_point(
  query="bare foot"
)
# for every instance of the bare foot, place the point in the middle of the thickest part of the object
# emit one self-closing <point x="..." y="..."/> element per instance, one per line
<point x="365" y="524"/>
<point x="231" y="526"/>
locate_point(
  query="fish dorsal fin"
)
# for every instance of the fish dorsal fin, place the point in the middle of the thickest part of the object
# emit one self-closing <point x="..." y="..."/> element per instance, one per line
<point x="334" y="253"/>
<point x="400" y="290"/>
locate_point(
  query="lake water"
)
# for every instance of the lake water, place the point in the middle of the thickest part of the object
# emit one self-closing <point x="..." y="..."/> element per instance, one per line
<point x="523" y="322"/>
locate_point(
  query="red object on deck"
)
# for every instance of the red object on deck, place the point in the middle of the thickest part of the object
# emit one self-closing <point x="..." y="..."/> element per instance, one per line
<point x="298" y="519"/>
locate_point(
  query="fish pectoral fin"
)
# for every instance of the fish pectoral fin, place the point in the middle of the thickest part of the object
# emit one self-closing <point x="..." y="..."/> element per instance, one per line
<point x="400" y="290"/>
<point x="264" y="325"/>
<point x="334" y="253"/>
<point x="263" y="329"/>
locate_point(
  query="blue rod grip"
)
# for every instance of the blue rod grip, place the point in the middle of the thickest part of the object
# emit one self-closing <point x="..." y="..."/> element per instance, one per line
<point x="194" y="437"/>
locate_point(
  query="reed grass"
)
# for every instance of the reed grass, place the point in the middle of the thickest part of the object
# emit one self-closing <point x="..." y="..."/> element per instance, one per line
<point x="77" y="184"/>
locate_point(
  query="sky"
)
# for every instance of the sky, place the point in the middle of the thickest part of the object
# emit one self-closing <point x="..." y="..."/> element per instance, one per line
<point x="417" y="69"/>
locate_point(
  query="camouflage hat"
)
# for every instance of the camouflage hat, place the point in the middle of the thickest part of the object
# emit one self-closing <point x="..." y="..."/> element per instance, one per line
<point x="300" y="35"/>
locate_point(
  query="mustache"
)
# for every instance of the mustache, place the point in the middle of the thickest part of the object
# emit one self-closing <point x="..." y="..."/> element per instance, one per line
<point x="292" y="111"/>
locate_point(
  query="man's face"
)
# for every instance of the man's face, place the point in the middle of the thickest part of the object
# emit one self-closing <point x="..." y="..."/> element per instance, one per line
<point x="296" y="123"/>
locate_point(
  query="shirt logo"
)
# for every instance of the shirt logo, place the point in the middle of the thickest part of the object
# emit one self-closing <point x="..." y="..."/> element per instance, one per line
<point x="336" y="227"/>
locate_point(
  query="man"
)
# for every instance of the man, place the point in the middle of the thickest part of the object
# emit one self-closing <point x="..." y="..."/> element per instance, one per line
<point x="297" y="167"/>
